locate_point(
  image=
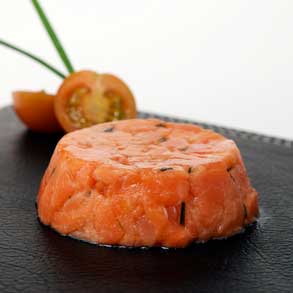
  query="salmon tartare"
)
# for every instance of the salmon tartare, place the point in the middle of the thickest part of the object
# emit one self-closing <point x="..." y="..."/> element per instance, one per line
<point x="146" y="182"/>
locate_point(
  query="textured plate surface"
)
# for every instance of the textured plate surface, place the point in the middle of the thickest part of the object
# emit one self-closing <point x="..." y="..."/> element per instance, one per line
<point x="33" y="258"/>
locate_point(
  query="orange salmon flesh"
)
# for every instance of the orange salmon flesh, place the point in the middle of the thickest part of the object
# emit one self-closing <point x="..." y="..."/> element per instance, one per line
<point x="146" y="183"/>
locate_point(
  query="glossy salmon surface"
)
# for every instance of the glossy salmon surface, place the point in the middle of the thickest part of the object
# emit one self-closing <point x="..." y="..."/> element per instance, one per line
<point x="146" y="183"/>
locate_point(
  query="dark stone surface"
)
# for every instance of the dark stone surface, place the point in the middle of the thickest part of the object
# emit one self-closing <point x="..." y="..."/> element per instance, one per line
<point x="33" y="258"/>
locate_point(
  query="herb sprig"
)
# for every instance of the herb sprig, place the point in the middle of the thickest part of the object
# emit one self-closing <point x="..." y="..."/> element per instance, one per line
<point x="53" y="36"/>
<point x="182" y="213"/>
<point x="34" y="57"/>
<point x="55" y="40"/>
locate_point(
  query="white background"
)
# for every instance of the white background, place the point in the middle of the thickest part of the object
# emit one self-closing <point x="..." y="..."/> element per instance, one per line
<point x="225" y="62"/>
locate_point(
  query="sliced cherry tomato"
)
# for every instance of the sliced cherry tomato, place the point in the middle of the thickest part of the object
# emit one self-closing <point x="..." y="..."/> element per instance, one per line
<point x="36" y="110"/>
<point x="86" y="98"/>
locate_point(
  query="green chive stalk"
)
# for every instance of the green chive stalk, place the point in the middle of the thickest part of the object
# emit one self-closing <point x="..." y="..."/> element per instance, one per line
<point x="53" y="36"/>
<point x="31" y="56"/>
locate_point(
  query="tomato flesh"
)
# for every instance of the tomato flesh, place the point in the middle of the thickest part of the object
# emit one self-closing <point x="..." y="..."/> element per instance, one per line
<point x="86" y="98"/>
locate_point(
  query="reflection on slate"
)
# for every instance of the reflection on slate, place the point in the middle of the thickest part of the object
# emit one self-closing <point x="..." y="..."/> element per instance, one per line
<point x="35" y="259"/>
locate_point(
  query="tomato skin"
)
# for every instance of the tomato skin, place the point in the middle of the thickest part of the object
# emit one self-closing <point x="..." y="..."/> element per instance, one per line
<point x="36" y="110"/>
<point x="93" y="84"/>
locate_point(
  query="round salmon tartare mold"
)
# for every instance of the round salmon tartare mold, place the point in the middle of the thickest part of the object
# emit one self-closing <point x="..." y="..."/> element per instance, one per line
<point x="146" y="182"/>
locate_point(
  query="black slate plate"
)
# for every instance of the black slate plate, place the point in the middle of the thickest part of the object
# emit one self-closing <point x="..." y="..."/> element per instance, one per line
<point x="33" y="258"/>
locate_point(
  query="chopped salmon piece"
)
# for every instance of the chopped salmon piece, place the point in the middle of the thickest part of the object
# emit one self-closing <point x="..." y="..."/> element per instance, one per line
<point x="146" y="183"/>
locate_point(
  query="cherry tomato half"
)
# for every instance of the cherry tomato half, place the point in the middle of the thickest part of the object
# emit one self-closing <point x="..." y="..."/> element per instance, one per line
<point x="36" y="110"/>
<point x="86" y="98"/>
